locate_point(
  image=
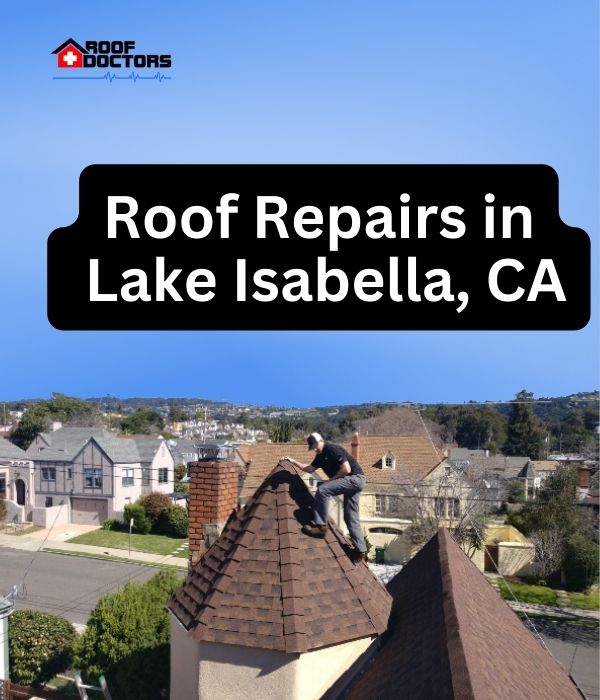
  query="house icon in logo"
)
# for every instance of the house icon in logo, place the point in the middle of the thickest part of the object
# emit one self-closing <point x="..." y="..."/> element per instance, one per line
<point x="70" y="54"/>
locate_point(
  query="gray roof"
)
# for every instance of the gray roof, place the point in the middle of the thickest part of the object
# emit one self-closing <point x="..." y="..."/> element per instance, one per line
<point x="528" y="471"/>
<point x="8" y="450"/>
<point x="180" y="447"/>
<point x="120" y="450"/>
<point x="147" y="447"/>
<point x="500" y="465"/>
<point x="65" y="443"/>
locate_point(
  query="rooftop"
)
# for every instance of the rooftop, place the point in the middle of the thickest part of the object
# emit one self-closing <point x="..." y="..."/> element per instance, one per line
<point x="451" y="636"/>
<point x="265" y="584"/>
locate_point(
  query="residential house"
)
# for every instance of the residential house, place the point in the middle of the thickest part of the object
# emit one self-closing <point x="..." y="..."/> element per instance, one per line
<point x="392" y="465"/>
<point x="16" y="481"/>
<point x="89" y="474"/>
<point x="280" y="615"/>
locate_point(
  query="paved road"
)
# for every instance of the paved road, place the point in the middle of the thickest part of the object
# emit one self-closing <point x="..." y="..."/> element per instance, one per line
<point x="64" y="585"/>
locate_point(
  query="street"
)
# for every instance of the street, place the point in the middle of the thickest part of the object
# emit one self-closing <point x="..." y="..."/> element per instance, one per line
<point x="63" y="585"/>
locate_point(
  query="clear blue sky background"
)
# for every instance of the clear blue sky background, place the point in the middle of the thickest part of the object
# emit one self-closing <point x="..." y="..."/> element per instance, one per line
<point x="418" y="81"/>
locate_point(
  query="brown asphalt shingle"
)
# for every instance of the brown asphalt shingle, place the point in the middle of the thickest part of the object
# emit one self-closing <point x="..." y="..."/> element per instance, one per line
<point x="415" y="458"/>
<point x="451" y="637"/>
<point x="265" y="584"/>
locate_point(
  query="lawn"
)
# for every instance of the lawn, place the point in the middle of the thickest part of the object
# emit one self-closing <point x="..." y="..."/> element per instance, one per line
<point x="585" y="602"/>
<point x="539" y="595"/>
<point x="154" y="544"/>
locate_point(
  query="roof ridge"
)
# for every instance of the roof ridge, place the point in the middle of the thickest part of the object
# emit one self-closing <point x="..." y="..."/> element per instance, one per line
<point x="457" y="657"/>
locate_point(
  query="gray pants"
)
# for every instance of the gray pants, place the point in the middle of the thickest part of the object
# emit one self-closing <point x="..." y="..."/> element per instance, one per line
<point x="350" y="487"/>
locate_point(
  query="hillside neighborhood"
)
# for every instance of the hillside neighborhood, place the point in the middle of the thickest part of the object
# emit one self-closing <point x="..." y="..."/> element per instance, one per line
<point x="481" y="525"/>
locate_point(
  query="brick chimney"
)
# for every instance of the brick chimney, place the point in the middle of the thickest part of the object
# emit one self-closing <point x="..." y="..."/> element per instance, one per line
<point x="213" y="496"/>
<point x="583" y="482"/>
<point x="355" y="446"/>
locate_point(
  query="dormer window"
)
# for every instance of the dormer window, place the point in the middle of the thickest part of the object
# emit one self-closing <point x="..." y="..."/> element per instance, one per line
<point x="388" y="461"/>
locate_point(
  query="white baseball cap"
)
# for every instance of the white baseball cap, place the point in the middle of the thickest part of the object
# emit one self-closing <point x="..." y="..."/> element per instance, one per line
<point x="313" y="440"/>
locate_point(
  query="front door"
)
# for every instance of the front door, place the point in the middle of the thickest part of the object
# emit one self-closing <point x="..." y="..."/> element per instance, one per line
<point x="20" y="486"/>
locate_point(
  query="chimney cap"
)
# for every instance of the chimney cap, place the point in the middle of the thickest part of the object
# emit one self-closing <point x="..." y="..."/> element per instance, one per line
<point x="214" y="452"/>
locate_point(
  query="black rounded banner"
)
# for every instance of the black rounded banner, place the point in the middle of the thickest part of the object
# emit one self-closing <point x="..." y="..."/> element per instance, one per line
<point x="318" y="247"/>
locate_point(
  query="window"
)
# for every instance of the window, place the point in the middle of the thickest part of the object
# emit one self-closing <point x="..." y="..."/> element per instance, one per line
<point x="146" y="476"/>
<point x="163" y="476"/>
<point x="440" y="507"/>
<point x="447" y="507"/>
<point x="127" y="477"/>
<point x="92" y="478"/>
<point x="69" y="472"/>
<point x="379" y="504"/>
<point x="48" y="501"/>
<point x="393" y="504"/>
<point x="388" y="461"/>
<point x="453" y="508"/>
<point x="2" y="486"/>
<point x="48" y="473"/>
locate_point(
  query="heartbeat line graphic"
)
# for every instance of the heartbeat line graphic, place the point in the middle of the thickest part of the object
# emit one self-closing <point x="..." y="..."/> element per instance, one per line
<point x="133" y="76"/>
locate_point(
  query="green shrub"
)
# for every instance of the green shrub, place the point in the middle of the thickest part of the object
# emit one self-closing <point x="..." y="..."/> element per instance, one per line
<point x="2" y="510"/>
<point x="154" y="505"/>
<point x="539" y="595"/>
<point x="40" y="646"/>
<point x="590" y="601"/>
<point x="174" y="522"/>
<point x="180" y="472"/>
<point x="112" y="524"/>
<point x="127" y="639"/>
<point x="141" y="523"/>
<point x="580" y="563"/>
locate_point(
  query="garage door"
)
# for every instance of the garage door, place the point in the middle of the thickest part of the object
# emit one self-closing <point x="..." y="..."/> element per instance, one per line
<point x="89" y="511"/>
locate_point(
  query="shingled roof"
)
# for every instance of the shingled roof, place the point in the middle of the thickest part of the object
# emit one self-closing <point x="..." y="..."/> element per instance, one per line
<point x="265" y="584"/>
<point x="451" y="636"/>
<point x="415" y="458"/>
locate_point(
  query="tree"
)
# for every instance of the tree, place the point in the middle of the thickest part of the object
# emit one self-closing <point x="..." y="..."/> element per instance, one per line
<point x="177" y="414"/>
<point x="549" y="550"/>
<point x="2" y="510"/>
<point x="143" y="421"/>
<point x="127" y="639"/>
<point x="66" y="409"/>
<point x="180" y="471"/>
<point x="525" y="435"/>
<point x="40" y="646"/>
<point x="581" y="562"/>
<point x="154" y="505"/>
<point x="282" y="432"/>
<point x="556" y="524"/>
<point x="141" y="522"/>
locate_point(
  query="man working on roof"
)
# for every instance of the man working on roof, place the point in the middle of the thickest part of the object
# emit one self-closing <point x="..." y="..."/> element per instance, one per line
<point x="345" y="478"/>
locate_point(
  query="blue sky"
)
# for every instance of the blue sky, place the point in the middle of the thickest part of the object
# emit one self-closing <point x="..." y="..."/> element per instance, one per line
<point x="420" y="81"/>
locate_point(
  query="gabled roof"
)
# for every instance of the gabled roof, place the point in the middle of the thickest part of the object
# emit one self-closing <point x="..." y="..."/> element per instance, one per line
<point x="265" y="584"/>
<point x="452" y="637"/>
<point x="415" y="457"/>
<point x="147" y="447"/>
<point x="65" y="444"/>
<point x="528" y="472"/>
<point x="498" y="465"/>
<point x="71" y="42"/>
<point x="9" y="450"/>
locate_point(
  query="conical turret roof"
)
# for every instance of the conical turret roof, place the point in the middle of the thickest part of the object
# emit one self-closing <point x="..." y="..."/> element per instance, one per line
<point x="265" y="584"/>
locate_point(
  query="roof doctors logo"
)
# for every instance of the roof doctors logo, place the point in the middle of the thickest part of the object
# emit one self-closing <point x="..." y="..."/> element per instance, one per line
<point x="110" y="56"/>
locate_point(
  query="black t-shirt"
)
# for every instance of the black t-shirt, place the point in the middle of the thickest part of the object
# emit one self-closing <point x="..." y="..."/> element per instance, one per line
<point x="331" y="459"/>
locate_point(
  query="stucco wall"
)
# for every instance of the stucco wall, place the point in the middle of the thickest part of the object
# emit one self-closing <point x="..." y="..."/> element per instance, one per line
<point x="206" y="671"/>
<point x="515" y="558"/>
<point x="318" y="670"/>
<point x="184" y="663"/>
<point x="50" y="517"/>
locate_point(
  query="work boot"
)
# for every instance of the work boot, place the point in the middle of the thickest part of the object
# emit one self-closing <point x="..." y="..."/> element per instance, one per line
<point x="314" y="530"/>
<point x="356" y="555"/>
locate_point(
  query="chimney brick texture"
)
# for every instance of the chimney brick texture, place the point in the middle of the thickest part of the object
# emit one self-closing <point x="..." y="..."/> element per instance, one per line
<point x="583" y="477"/>
<point x="213" y="496"/>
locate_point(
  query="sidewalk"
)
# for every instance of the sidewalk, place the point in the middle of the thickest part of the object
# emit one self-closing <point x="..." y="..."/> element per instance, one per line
<point x="54" y="541"/>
